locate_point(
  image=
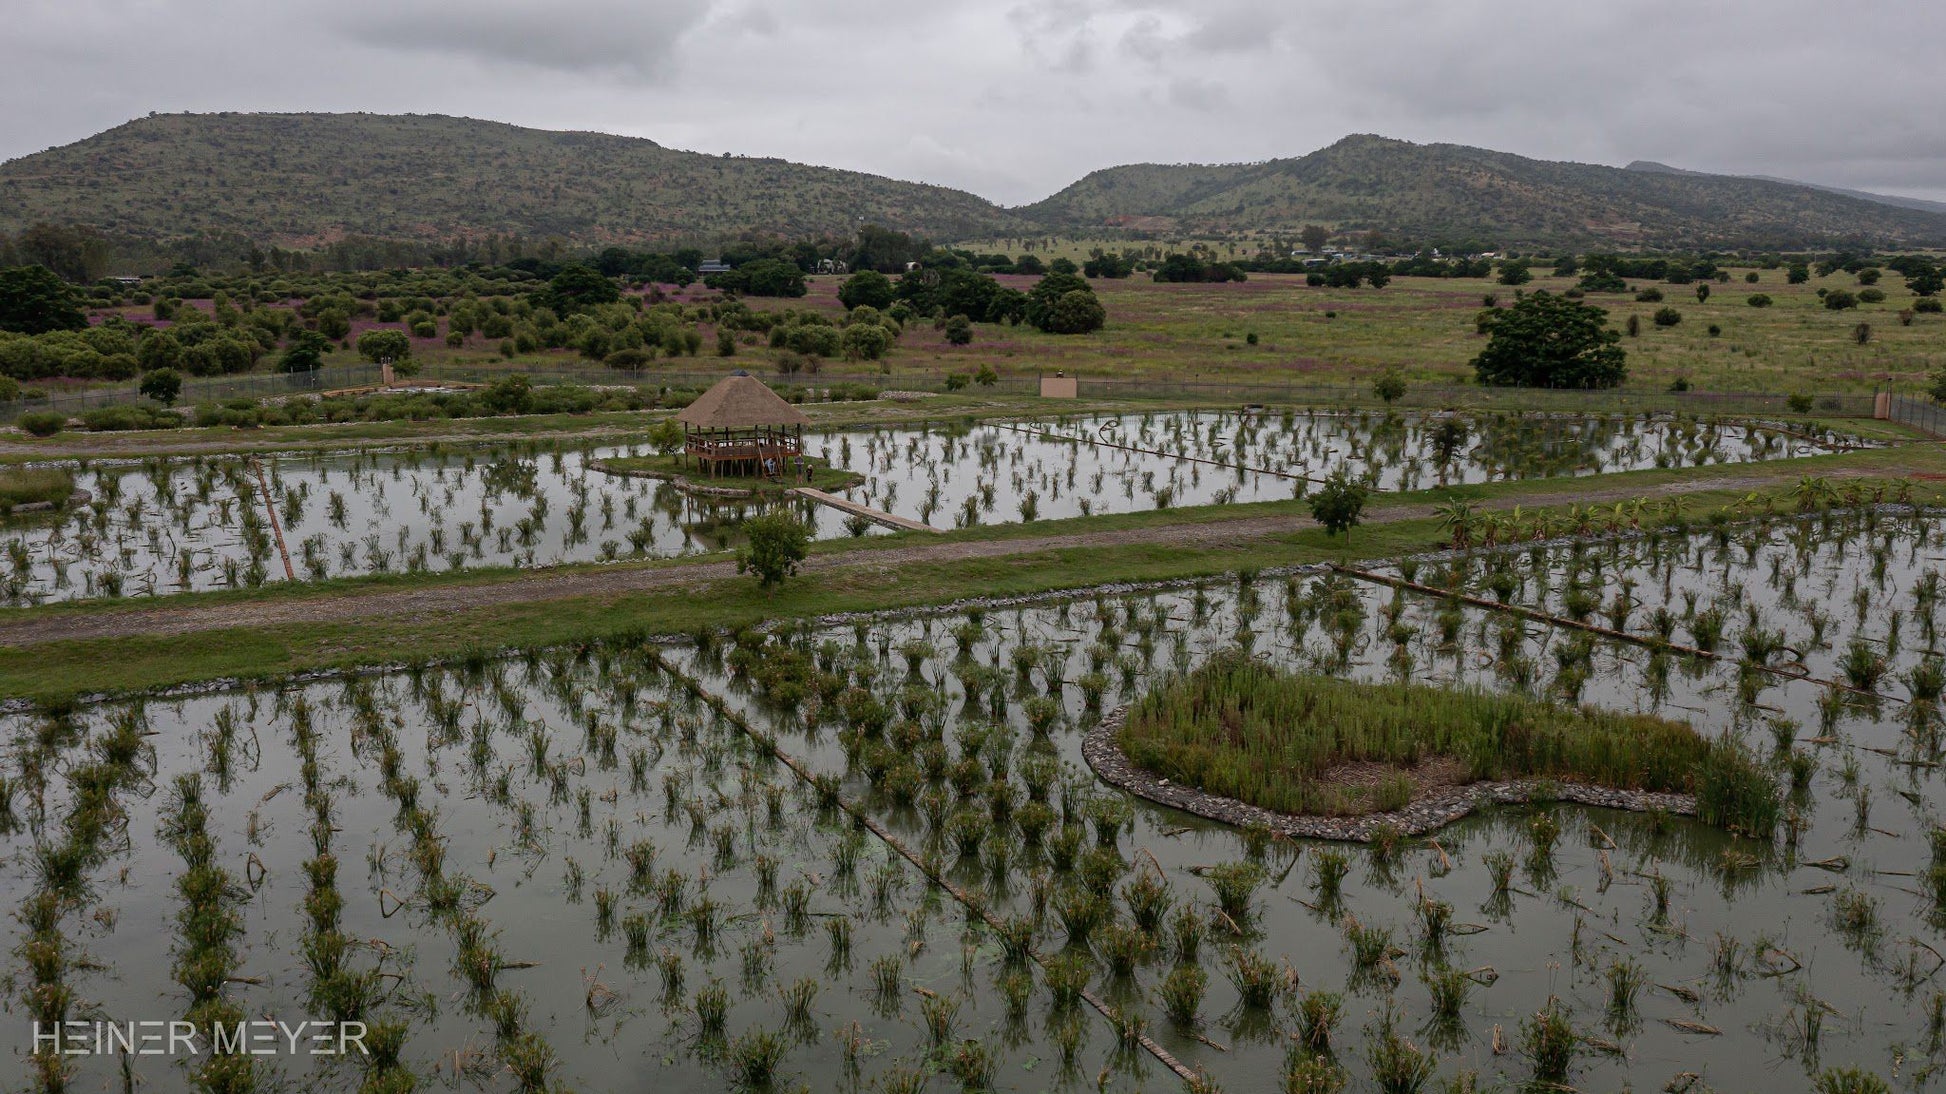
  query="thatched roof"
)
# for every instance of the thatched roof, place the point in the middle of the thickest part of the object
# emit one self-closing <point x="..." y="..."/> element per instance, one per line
<point x="740" y="402"/>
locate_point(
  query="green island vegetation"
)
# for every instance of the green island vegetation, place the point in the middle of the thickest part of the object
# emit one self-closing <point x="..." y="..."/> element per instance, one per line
<point x="1239" y="727"/>
<point x="35" y="486"/>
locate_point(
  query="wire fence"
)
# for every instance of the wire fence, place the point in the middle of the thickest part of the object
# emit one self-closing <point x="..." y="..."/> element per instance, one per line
<point x="808" y="386"/>
<point x="1923" y="415"/>
<point x="216" y="389"/>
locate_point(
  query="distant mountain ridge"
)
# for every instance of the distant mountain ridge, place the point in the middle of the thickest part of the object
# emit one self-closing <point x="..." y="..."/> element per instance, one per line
<point x="300" y="180"/>
<point x="1898" y="200"/>
<point x="1429" y="191"/>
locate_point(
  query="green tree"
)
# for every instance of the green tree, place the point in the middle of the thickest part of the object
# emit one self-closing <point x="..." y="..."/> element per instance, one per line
<point x="385" y="345"/>
<point x="1666" y="317"/>
<point x="959" y="330"/>
<point x="1339" y="504"/>
<point x="865" y="342"/>
<point x="1390" y="386"/>
<point x="1702" y="293"/>
<point x="1839" y="300"/>
<point x="866" y="289"/>
<point x="334" y="324"/>
<point x="775" y="544"/>
<point x="667" y="436"/>
<point x="34" y="300"/>
<point x="726" y="343"/>
<point x="576" y="289"/>
<point x="305" y="352"/>
<point x="1314" y="237"/>
<point x="164" y="385"/>
<point x="1798" y="273"/>
<point x="986" y="377"/>
<point x="1550" y="341"/>
<point x="1515" y="271"/>
<point x="158" y="349"/>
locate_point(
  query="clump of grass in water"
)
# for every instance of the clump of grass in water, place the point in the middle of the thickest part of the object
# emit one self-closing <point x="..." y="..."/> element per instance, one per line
<point x="1285" y="731"/>
<point x="1549" y="1042"/>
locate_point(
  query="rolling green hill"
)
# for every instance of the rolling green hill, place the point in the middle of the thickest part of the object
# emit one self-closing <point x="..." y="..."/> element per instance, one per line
<point x="302" y="179"/>
<point x="1437" y="191"/>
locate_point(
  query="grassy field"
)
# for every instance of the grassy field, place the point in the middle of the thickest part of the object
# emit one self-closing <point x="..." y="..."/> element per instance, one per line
<point x="1422" y="326"/>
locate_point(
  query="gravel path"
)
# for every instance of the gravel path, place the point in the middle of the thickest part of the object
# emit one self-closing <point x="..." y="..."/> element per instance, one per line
<point x="162" y="617"/>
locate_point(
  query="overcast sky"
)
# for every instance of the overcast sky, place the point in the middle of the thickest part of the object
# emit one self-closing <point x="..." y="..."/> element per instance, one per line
<point x="1013" y="100"/>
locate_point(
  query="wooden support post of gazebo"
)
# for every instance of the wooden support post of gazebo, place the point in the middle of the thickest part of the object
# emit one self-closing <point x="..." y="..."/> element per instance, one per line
<point x="741" y="427"/>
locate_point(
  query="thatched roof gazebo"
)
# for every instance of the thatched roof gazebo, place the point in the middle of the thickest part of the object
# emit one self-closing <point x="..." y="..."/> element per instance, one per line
<point x="741" y="427"/>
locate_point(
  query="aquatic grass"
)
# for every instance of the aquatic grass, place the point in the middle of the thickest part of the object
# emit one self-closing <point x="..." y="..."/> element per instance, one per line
<point x="1282" y="733"/>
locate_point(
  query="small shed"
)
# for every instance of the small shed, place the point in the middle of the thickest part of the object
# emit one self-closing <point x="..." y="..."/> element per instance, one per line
<point x="741" y="427"/>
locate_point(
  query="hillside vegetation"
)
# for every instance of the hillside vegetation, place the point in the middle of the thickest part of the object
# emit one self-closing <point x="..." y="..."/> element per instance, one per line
<point x="301" y="179"/>
<point x="1435" y="191"/>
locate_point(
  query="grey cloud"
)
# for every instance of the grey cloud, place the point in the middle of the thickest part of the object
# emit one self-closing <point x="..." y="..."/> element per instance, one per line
<point x="638" y="38"/>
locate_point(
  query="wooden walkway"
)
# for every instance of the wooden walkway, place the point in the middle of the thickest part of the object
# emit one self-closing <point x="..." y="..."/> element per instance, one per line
<point x="904" y="524"/>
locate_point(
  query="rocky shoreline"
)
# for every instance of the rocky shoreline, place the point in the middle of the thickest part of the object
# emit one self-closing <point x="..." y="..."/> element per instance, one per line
<point x="1429" y="812"/>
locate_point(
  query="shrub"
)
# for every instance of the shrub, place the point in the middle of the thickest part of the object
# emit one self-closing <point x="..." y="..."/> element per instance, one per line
<point x="1800" y="403"/>
<point x="43" y="423"/>
<point x="1550" y="341"/>
<point x="1338" y="504"/>
<point x="163" y="385"/>
<point x="777" y="543"/>
<point x="628" y="360"/>
<point x="1390" y="386"/>
<point x="1928" y="305"/>
<point x="1758" y="300"/>
<point x="385" y="345"/>
<point x="1650" y="295"/>
<point x="1667" y="317"/>
<point x="1839" y="300"/>
<point x="1871" y="296"/>
<point x="959" y="330"/>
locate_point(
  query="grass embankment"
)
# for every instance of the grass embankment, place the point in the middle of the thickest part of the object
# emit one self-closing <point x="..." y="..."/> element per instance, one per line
<point x="1244" y="729"/>
<point x="823" y="476"/>
<point x="33" y="486"/>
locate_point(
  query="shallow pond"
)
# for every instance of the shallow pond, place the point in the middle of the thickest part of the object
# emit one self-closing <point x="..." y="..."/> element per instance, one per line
<point x="1671" y="948"/>
<point x="170" y="526"/>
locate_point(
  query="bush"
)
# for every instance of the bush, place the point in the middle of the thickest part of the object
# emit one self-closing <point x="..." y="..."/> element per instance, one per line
<point x="1667" y="317"/>
<point x="629" y="360"/>
<point x="1758" y="300"/>
<point x="1800" y="403"/>
<point x="865" y="342"/>
<point x="959" y="330"/>
<point x="1839" y="300"/>
<point x="1390" y="386"/>
<point x="1550" y="341"/>
<point x="118" y="419"/>
<point x="384" y="345"/>
<point x="777" y="543"/>
<point x="163" y="385"/>
<point x="43" y="423"/>
<point x="866" y="288"/>
<point x="1928" y="305"/>
<point x="1871" y="296"/>
<point x="1338" y="504"/>
<point x="1650" y="295"/>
